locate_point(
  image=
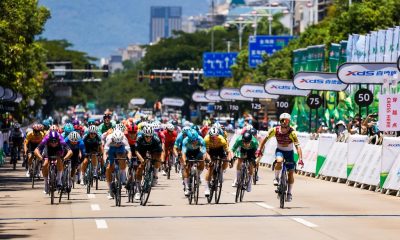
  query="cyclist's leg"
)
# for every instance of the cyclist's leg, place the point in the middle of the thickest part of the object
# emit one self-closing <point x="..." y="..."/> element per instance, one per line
<point x="279" y="157"/>
<point x="156" y="156"/>
<point x="94" y="163"/>
<point x="251" y="154"/>
<point x="208" y="175"/>
<point x="110" y="167"/>
<point x="60" y="168"/>
<point x="45" y="173"/>
<point x="290" y="165"/>
<point x="238" y="168"/>
<point x="122" y="165"/>
<point x="84" y="165"/>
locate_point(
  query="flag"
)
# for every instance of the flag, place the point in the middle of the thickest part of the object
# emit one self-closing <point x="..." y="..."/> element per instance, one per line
<point x="381" y="46"/>
<point x="343" y="48"/>
<point x="373" y="46"/>
<point x="366" y="51"/>
<point x="396" y="35"/>
<point x="360" y="49"/>
<point x="354" y="56"/>
<point x="388" y="45"/>
<point x="334" y="56"/>
<point x="349" y="48"/>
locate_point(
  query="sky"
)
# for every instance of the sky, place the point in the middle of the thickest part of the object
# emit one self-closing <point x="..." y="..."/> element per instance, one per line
<point x="101" y="27"/>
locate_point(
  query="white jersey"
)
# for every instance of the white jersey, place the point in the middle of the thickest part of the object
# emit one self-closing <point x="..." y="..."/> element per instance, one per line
<point x="109" y="143"/>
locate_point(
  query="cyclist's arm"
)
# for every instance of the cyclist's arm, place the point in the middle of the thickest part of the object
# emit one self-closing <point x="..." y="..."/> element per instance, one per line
<point x="26" y="142"/>
<point x="270" y="134"/>
<point x="38" y="151"/>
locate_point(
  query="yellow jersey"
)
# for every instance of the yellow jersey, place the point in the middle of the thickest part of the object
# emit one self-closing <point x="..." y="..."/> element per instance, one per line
<point x="217" y="143"/>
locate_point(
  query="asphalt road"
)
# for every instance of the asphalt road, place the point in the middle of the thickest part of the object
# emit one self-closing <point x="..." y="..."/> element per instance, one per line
<point x="320" y="210"/>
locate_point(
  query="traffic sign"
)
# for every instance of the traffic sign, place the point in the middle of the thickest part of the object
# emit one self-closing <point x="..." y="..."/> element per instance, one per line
<point x="363" y="97"/>
<point x="218" y="64"/>
<point x="265" y="45"/>
<point x="314" y="101"/>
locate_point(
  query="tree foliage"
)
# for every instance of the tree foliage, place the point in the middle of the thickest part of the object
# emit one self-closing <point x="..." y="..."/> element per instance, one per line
<point x="21" y="58"/>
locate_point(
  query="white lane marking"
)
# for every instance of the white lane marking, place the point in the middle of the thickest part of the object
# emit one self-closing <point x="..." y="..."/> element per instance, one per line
<point x="101" y="224"/>
<point x="304" y="222"/>
<point x="91" y="196"/>
<point x="265" y="205"/>
<point x="95" y="207"/>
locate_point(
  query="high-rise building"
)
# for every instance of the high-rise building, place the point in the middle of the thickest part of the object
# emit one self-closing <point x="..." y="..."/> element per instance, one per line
<point x="163" y="21"/>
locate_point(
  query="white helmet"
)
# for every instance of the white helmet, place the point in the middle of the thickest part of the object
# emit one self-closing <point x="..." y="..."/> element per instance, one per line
<point x="217" y="125"/>
<point x="74" y="136"/>
<point x="120" y="127"/>
<point x="147" y="131"/>
<point x="170" y="127"/>
<point x="117" y="137"/>
<point x="249" y="127"/>
<point x="92" y="129"/>
<point x="213" y="132"/>
<point x="284" y="116"/>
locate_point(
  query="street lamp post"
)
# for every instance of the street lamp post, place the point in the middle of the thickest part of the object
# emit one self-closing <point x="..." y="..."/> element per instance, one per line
<point x="240" y="23"/>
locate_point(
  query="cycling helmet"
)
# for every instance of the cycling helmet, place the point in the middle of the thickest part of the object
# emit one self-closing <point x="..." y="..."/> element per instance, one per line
<point x="147" y="131"/>
<point x="284" y="116"/>
<point x="75" y="122"/>
<point x="132" y="128"/>
<point x="74" y="137"/>
<point x="92" y="129"/>
<point x="36" y="127"/>
<point x="253" y="132"/>
<point x="217" y="125"/>
<point x="54" y="127"/>
<point x="249" y="127"/>
<point x="91" y="121"/>
<point x="195" y="127"/>
<point x="68" y="128"/>
<point x="117" y="137"/>
<point x="213" y="132"/>
<point x="41" y="127"/>
<point x="16" y="125"/>
<point x="192" y="135"/>
<point x="247" y="137"/>
<point x="46" y="123"/>
<point x="174" y="122"/>
<point x="121" y="127"/>
<point x="170" y="127"/>
<point x="53" y="136"/>
<point x="185" y="130"/>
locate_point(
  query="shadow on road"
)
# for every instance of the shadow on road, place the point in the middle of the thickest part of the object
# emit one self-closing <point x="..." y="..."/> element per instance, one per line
<point x="12" y="231"/>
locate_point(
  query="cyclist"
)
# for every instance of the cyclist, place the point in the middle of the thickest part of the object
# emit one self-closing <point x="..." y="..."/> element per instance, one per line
<point x="116" y="145"/>
<point x="92" y="142"/>
<point x="107" y="124"/>
<point x="32" y="140"/>
<point x="193" y="147"/>
<point x="131" y="133"/>
<point x="170" y="138"/>
<point x="52" y="144"/>
<point x="75" y="143"/>
<point x="78" y="127"/>
<point x="179" y="140"/>
<point x="147" y="142"/>
<point x="247" y="145"/>
<point x="286" y="138"/>
<point x="216" y="146"/>
<point x="67" y="129"/>
<point x="16" y="139"/>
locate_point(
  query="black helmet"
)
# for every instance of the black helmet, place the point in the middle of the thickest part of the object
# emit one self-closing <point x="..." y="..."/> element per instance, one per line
<point x="247" y="137"/>
<point x="253" y="132"/>
<point x="16" y="125"/>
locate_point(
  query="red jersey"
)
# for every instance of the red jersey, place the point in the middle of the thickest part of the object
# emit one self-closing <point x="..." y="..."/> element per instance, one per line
<point x="131" y="138"/>
<point x="161" y="136"/>
<point x="204" y="131"/>
<point x="170" y="138"/>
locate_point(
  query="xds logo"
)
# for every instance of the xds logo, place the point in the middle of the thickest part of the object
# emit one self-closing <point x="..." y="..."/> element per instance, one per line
<point x="371" y="73"/>
<point x="321" y="81"/>
<point x="254" y="91"/>
<point x="394" y="145"/>
<point x="283" y="87"/>
<point x="358" y="141"/>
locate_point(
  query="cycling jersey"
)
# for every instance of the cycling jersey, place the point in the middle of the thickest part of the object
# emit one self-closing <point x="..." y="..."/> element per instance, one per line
<point x="76" y="148"/>
<point x="131" y="138"/>
<point x="179" y="141"/>
<point x="60" y="150"/>
<point x="188" y="146"/>
<point x="34" y="139"/>
<point x="170" y="138"/>
<point x="92" y="144"/>
<point x="239" y="144"/>
<point x="104" y="128"/>
<point x="109" y="144"/>
<point x="204" y="131"/>
<point x="142" y="146"/>
<point x="284" y="140"/>
<point x="219" y="142"/>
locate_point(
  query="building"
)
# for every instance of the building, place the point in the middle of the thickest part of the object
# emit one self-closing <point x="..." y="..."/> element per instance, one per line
<point x="133" y="52"/>
<point x="311" y="12"/>
<point x="115" y="63"/>
<point x="163" y="21"/>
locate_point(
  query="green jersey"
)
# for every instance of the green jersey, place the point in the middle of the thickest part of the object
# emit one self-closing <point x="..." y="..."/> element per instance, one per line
<point x="239" y="144"/>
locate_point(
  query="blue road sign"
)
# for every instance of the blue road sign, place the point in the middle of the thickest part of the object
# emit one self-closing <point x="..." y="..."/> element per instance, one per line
<point x="218" y="64"/>
<point x="263" y="44"/>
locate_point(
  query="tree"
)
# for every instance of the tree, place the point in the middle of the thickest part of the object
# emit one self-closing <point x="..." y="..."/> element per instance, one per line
<point x="21" y="58"/>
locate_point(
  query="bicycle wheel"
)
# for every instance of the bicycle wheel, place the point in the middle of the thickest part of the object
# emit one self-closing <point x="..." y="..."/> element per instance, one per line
<point x="282" y="189"/>
<point x="14" y="157"/>
<point x="117" y="194"/>
<point x="211" y="187"/>
<point x="196" y="188"/>
<point x="146" y="185"/>
<point x="238" y="188"/>
<point x="190" y="185"/>
<point x="89" y="176"/>
<point x="245" y="182"/>
<point x="218" y="185"/>
<point x="52" y="184"/>
<point x="131" y="185"/>
<point x="255" y="175"/>
<point x="33" y="171"/>
<point x="64" y="184"/>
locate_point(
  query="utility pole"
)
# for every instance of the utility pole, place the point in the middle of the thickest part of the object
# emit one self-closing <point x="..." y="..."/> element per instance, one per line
<point x="212" y="25"/>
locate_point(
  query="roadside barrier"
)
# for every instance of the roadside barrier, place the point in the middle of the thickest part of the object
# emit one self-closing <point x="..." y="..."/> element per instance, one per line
<point x="359" y="164"/>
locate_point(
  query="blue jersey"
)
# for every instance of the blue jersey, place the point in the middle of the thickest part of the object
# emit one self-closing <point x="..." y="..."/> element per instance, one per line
<point x="179" y="141"/>
<point x="74" y="147"/>
<point x="188" y="146"/>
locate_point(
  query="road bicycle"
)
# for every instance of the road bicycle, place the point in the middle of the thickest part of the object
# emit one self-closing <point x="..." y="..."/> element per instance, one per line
<point x="148" y="178"/>
<point x="282" y="187"/>
<point x="194" y="180"/>
<point x="131" y="186"/>
<point x="243" y="180"/>
<point x="66" y="180"/>
<point x="52" y="177"/>
<point x="216" y="180"/>
<point x="116" y="182"/>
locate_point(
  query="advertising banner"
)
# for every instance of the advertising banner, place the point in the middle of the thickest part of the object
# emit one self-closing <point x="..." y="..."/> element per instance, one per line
<point x="315" y="58"/>
<point x="256" y="91"/>
<point x="218" y="64"/>
<point x="310" y="153"/>
<point x="265" y="45"/>
<point x="137" y="101"/>
<point x="373" y="46"/>
<point x="354" y="48"/>
<point x="380" y="54"/>
<point x="360" y="49"/>
<point x="343" y="56"/>
<point x="354" y="146"/>
<point x="232" y="94"/>
<point x="303" y="138"/>
<point x="199" y="97"/>
<point x="389" y="45"/>
<point x="334" y="56"/>
<point x="297" y="60"/>
<point x="389" y="112"/>
<point x="349" y="48"/>
<point x="174" y="102"/>
<point x="284" y="87"/>
<point x="390" y="151"/>
<point x="326" y="140"/>
<point x="318" y="81"/>
<point x="367" y="43"/>
<point x="213" y="95"/>
<point x="393" y="179"/>
<point x="335" y="162"/>
<point x="396" y="36"/>
<point x="368" y="73"/>
<point x="368" y="159"/>
<point x="303" y="59"/>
